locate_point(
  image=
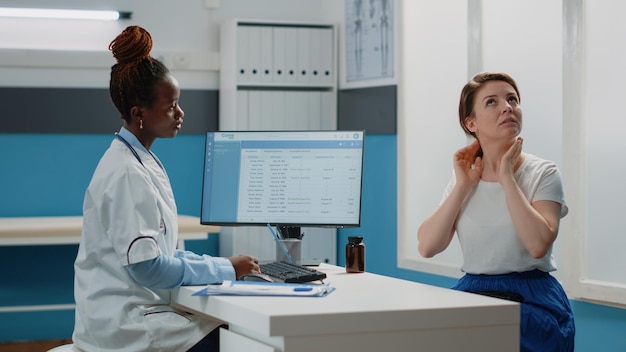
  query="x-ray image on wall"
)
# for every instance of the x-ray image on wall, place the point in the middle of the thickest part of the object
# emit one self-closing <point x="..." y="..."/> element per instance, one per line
<point x="368" y="39"/>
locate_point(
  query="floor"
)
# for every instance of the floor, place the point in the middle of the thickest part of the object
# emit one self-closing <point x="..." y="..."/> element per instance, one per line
<point x="32" y="346"/>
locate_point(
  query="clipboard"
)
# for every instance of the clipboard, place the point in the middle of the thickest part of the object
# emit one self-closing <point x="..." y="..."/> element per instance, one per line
<point x="249" y="288"/>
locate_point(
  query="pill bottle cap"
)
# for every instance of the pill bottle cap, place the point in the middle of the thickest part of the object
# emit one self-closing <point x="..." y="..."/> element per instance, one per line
<point x="355" y="239"/>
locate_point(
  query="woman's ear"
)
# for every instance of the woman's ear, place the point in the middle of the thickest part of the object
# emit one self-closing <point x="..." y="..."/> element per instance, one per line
<point x="136" y="114"/>
<point x="470" y="123"/>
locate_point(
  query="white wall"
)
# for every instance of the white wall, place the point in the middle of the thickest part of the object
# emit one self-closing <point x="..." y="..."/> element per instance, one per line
<point x="595" y="152"/>
<point x="181" y="29"/>
<point x="433" y="66"/>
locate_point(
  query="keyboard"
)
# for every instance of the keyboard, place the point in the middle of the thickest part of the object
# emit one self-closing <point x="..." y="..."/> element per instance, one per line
<point x="291" y="273"/>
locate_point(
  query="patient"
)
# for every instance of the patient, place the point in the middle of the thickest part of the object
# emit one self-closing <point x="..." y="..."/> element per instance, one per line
<point x="505" y="206"/>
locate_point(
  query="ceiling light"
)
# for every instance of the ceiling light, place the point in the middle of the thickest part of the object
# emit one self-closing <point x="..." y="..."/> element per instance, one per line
<point x="64" y="14"/>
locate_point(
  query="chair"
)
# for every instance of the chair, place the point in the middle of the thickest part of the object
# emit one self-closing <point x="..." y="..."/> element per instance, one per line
<point x="63" y="348"/>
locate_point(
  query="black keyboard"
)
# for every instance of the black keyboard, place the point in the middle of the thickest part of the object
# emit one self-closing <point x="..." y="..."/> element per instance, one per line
<point x="291" y="273"/>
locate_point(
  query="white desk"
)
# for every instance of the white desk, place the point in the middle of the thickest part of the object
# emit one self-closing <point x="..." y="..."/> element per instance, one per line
<point x="366" y="312"/>
<point x="49" y="230"/>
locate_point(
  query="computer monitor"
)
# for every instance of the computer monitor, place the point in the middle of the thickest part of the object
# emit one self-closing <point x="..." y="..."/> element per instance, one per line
<point x="287" y="179"/>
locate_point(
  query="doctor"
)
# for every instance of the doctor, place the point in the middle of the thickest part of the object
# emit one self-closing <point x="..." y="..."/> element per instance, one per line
<point x="127" y="262"/>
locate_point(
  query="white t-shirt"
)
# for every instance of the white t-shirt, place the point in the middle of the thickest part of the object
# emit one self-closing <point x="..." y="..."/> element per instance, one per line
<point x="484" y="227"/>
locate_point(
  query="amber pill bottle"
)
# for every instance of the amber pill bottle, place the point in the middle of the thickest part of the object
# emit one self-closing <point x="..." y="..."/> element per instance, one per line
<point x="355" y="255"/>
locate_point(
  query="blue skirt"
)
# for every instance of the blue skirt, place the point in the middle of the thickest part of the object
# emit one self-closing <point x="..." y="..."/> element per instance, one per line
<point x="547" y="321"/>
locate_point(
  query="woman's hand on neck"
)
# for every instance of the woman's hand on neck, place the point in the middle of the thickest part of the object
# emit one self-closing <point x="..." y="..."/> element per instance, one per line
<point x="501" y="161"/>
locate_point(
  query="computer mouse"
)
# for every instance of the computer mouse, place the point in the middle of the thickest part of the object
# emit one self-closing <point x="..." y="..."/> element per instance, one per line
<point x="256" y="277"/>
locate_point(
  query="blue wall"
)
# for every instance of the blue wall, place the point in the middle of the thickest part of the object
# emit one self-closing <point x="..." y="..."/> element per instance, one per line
<point x="43" y="175"/>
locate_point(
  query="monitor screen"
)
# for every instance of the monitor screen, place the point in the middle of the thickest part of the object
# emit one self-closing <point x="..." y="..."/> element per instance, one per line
<point x="282" y="178"/>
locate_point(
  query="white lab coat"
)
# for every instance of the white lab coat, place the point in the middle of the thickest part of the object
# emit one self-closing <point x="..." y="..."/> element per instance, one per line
<point x="129" y="216"/>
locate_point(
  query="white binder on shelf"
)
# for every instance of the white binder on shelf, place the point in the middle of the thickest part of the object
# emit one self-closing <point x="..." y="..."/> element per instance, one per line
<point x="315" y="107"/>
<point x="280" y="54"/>
<point x="291" y="55"/>
<point x="267" y="110"/>
<point x="304" y="55"/>
<point x="291" y="109"/>
<point x="243" y="66"/>
<point x="296" y="105"/>
<point x="315" y="48"/>
<point x="242" y="109"/>
<point x="254" y="110"/>
<point x="278" y="117"/>
<point x="266" y="55"/>
<point x="327" y="111"/>
<point x="303" y="121"/>
<point x="260" y="110"/>
<point x="327" y="56"/>
<point x="254" y="53"/>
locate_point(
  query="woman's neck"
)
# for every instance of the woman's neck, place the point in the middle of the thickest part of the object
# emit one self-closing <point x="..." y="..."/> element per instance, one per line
<point x="491" y="160"/>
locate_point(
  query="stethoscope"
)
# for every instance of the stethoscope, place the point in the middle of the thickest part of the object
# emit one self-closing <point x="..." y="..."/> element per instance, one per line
<point x="162" y="224"/>
<point x="135" y="152"/>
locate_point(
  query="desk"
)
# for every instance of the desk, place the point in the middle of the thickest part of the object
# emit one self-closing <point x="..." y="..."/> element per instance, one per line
<point x="47" y="230"/>
<point x="367" y="312"/>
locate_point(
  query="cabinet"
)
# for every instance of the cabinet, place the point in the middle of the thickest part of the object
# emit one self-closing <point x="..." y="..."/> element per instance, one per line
<point x="278" y="76"/>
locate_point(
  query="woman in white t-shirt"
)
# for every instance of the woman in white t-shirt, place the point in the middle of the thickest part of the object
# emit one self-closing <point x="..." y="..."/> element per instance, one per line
<point x="505" y="206"/>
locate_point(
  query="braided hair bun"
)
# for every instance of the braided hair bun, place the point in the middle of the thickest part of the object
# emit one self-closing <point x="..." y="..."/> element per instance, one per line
<point x="135" y="76"/>
<point x="132" y="45"/>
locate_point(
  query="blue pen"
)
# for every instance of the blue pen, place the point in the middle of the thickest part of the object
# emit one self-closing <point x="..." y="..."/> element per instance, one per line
<point x="302" y="289"/>
<point x="280" y="244"/>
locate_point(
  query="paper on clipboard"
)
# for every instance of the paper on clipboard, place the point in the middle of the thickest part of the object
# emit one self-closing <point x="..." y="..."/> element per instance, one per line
<point x="247" y="288"/>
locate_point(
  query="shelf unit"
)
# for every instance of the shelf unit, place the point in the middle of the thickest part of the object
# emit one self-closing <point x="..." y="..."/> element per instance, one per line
<point x="278" y="76"/>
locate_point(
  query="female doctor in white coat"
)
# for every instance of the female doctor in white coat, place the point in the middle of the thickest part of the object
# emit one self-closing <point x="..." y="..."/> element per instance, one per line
<point x="127" y="260"/>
